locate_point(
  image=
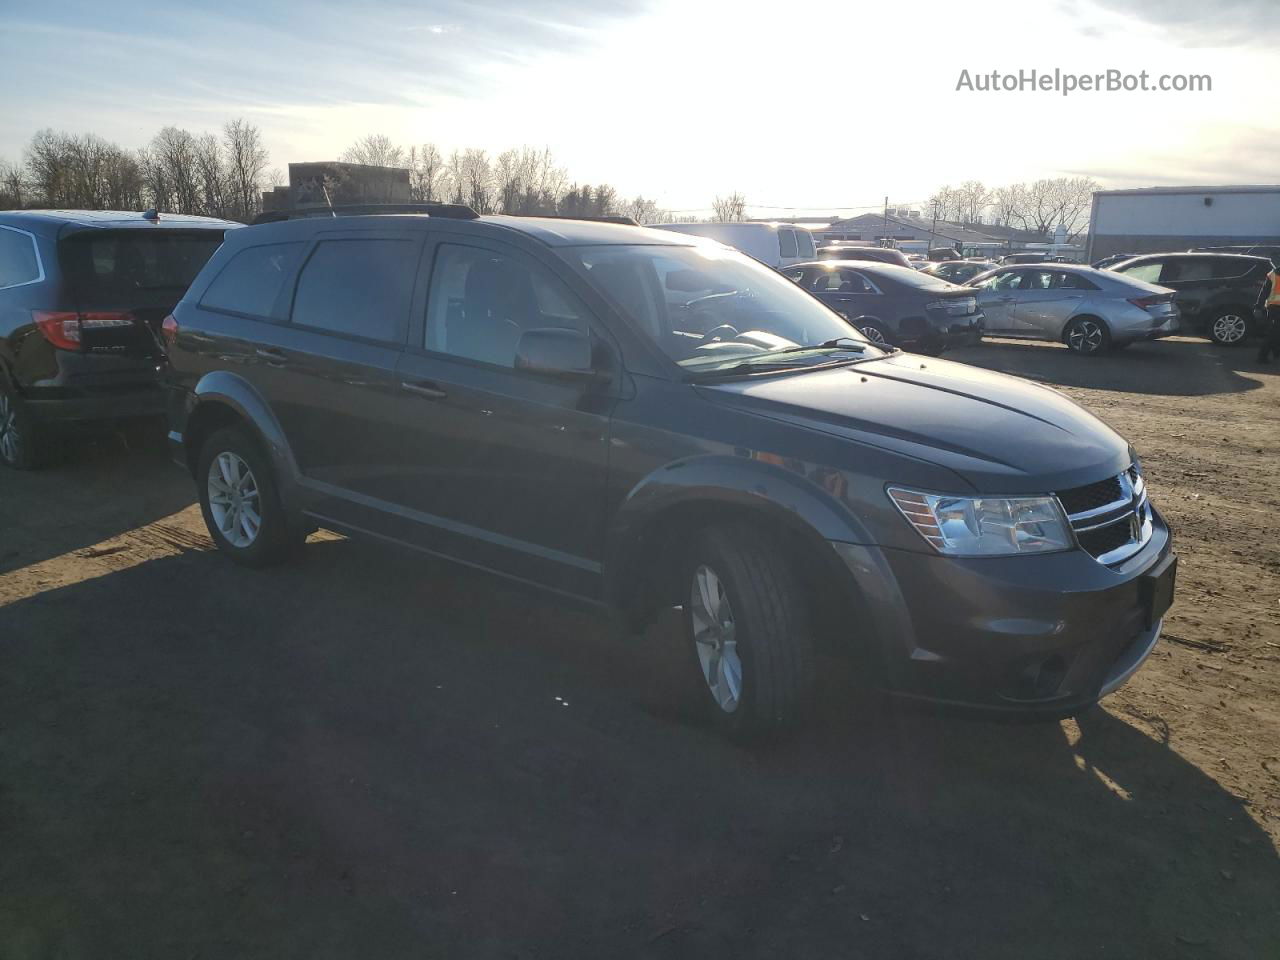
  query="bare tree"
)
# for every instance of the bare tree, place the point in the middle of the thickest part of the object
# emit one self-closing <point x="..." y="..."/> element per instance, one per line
<point x="376" y="150"/>
<point x="477" y="180"/>
<point x="945" y="203"/>
<point x="247" y="161"/>
<point x="426" y="173"/>
<point x="972" y="201"/>
<point x="646" y="211"/>
<point x="174" y="150"/>
<point x="1006" y="204"/>
<point x="729" y="209"/>
<point x="15" y="191"/>
<point x="1075" y="203"/>
<point x="212" y="174"/>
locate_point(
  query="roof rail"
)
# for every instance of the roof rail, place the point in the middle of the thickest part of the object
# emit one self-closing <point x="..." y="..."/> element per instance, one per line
<point x="452" y="211"/>
<point x="615" y="218"/>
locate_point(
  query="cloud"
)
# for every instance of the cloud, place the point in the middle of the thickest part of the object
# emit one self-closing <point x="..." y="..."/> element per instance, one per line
<point x="1196" y="23"/>
<point x="1224" y="154"/>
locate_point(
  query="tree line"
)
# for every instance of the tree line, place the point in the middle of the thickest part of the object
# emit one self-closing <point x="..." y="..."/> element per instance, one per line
<point x="1037" y="207"/>
<point x="213" y="174"/>
<point x="223" y="175"/>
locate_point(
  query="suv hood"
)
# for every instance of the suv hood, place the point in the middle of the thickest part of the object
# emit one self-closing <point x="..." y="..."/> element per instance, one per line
<point x="999" y="433"/>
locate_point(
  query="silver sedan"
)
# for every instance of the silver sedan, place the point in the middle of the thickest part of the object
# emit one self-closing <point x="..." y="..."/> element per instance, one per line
<point x="1089" y="310"/>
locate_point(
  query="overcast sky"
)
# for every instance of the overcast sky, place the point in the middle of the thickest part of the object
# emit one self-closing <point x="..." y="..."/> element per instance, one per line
<point x="808" y="105"/>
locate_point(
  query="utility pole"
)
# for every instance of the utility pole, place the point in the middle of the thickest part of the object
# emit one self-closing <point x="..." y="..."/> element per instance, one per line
<point x="885" y="242"/>
<point x="934" y="229"/>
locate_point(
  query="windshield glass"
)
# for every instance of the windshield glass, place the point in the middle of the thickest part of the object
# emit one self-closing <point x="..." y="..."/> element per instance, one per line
<point x="710" y="308"/>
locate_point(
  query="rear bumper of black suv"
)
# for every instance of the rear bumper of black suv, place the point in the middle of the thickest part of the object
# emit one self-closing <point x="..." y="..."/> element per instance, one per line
<point x="1034" y="636"/>
<point x="86" y="388"/>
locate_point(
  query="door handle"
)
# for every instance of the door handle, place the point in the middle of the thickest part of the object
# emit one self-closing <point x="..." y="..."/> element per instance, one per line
<point x="271" y="354"/>
<point x="424" y="389"/>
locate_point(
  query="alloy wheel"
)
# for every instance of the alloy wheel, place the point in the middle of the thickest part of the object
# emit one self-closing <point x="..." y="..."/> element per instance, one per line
<point x="873" y="334"/>
<point x="1085" y="336"/>
<point x="234" y="502"/>
<point x="10" y="438"/>
<point x="714" y="636"/>
<point x="1230" y="328"/>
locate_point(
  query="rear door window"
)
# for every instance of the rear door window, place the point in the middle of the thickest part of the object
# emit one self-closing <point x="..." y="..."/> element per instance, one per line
<point x="19" y="262"/>
<point x="1148" y="272"/>
<point x="359" y="287"/>
<point x="1072" y="281"/>
<point x="787" y="244"/>
<point x="1190" y="269"/>
<point x="251" y="282"/>
<point x="804" y="240"/>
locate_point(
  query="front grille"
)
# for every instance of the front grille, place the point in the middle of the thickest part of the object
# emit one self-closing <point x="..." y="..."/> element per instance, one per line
<point x="1111" y="518"/>
<point x="1088" y="498"/>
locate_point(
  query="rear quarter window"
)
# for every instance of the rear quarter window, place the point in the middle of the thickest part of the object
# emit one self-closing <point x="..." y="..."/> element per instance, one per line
<point x="252" y="280"/>
<point x="19" y="262"/>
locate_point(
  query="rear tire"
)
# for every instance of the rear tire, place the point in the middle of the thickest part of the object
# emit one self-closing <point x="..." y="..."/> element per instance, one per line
<point x="748" y="632"/>
<point x="240" y="500"/>
<point x="1230" y="326"/>
<point x="875" y="331"/>
<point x="25" y="444"/>
<point x="1087" y="336"/>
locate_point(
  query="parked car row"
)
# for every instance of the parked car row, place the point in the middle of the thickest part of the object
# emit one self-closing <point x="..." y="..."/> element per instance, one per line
<point x="638" y="419"/>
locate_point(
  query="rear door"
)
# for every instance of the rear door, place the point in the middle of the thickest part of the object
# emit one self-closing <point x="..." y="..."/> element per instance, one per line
<point x="1051" y="297"/>
<point x="124" y="282"/>
<point x="849" y="292"/>
<point x="328" y="371"/>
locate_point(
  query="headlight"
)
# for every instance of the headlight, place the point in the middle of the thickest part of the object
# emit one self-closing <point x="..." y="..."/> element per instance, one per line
<point x="985" y="526"/>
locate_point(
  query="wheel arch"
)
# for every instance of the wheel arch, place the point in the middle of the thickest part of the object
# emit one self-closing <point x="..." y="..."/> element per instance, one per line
<point x="222" y="399"/>
<point x="663" y="513"/>
<point x="1083" y="315"/>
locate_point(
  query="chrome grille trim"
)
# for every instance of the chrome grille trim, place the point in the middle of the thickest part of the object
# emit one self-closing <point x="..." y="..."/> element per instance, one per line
<point x="1133" y="508"/>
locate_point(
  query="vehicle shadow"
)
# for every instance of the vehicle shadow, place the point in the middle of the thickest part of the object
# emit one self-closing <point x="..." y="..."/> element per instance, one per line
<point x="132" y="470"/>
<point x="1176" y="367"/>
<point x="371" y="754"/>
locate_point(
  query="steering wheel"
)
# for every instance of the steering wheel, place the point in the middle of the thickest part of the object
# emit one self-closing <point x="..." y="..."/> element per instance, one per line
<point x="722" y="332"/>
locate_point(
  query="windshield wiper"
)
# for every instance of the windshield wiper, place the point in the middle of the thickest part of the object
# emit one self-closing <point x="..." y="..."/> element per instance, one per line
<point x="776" y="366"/>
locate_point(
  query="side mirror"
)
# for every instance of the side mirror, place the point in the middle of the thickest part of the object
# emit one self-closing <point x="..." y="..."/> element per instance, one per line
<point x="556" y="352"/>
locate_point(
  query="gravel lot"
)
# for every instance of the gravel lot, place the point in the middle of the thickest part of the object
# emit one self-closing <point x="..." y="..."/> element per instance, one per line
<point x="370" y="754"/>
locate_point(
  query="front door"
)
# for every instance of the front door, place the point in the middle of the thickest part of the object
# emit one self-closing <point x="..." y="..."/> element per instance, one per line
<point x="503" y="468"/>
<point x="997" y="296"/>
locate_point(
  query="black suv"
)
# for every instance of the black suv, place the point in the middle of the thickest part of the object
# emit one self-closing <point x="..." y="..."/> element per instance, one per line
<point x="82" y="296"/>
<point x="899" y="306"/>
<point x="1215" y="292"/>
<point x="644" y="420"/>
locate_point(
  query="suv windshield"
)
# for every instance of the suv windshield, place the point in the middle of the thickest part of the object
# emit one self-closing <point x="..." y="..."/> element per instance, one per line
<point x="710" y="308"/>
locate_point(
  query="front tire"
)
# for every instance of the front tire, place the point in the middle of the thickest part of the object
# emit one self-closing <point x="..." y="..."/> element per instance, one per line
<point x="1087" y="336"/>
<point x="747" y="627"/>
<point x="240" y="500"/>
<point x="1230" y="327"/>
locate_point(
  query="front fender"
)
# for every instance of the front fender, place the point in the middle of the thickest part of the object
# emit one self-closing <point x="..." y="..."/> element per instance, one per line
<point x="227" y="389"/>
<point x="792" y="495"/>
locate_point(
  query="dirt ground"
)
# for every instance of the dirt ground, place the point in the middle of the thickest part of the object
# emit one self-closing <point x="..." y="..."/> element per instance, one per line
<point x="370" y="754"/>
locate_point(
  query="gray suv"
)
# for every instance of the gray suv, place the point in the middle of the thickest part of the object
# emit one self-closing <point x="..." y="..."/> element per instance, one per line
<point x="642" y="420"/>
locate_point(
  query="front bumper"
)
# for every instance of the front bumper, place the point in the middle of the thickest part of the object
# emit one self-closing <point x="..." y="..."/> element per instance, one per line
<point x="1036" y="636"/>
